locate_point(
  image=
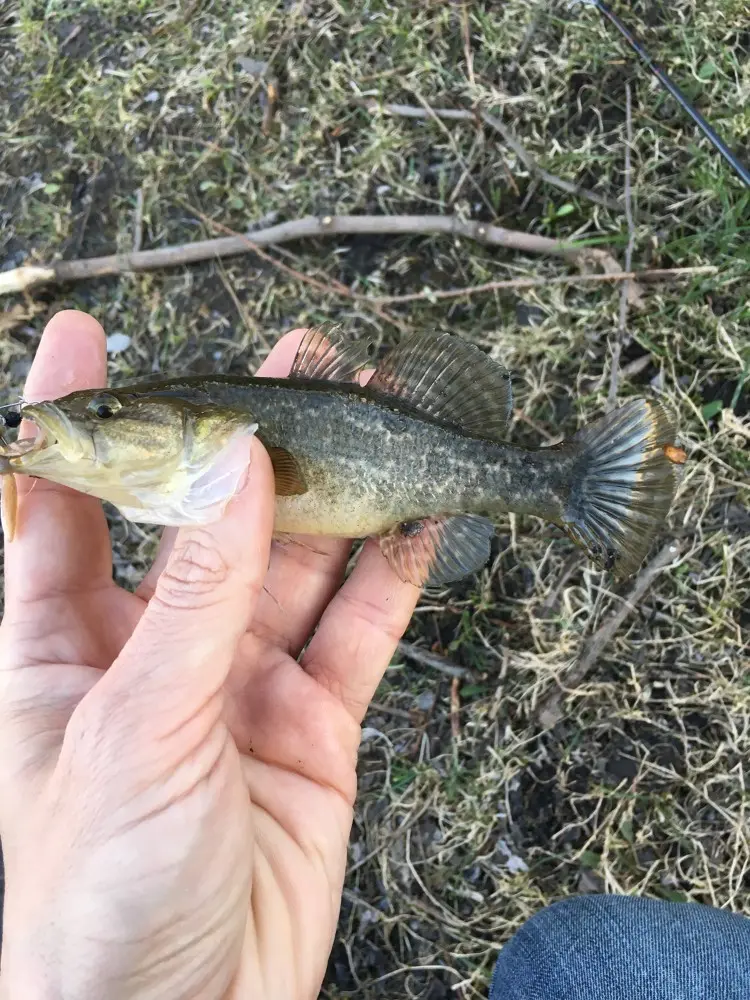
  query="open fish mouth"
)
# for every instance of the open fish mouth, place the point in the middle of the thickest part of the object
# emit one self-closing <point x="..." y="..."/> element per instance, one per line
<point x="46" y="427"/>
<point x="40" y="439"/>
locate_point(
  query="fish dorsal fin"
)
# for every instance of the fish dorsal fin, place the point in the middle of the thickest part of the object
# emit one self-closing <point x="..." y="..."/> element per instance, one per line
<point x="324" y="354"/>
<point x="437" y="550"/>
<point x="289" y="479"/>
<point x="450" y="380"/>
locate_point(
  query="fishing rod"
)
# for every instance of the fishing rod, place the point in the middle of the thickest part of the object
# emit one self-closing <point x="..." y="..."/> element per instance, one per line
<point x="633" y="41"/>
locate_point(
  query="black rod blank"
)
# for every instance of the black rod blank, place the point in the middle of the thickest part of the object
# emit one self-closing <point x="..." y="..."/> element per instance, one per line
<point x="710" y="133"/>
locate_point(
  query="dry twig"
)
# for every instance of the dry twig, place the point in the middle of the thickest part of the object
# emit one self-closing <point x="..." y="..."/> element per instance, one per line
<point x="138" y="221"/>
<point x="432" y="660"/>
<point x="32" y="276"/>
<point x="519" y="284"/>
<point x="466" y="33"/>
<point x="549" y="606"/>
<point x="528" y="36"/>
<point x="508" y="137"/>
<point x="614" y="375"/>
<point x="550" y="712"/>
<point x="455" y="709"/>
<point x="333" y="286"/>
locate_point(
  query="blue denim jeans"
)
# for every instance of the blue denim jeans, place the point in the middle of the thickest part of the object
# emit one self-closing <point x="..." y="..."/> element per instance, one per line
<point x="625" y="948"/>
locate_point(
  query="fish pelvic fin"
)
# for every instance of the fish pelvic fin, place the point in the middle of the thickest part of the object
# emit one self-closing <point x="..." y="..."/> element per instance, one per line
<point x="623" y="484"/>
<point x="437" y="550"/>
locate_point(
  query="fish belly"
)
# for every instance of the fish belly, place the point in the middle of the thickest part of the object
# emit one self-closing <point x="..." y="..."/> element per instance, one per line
<point x="348" y="503"/>
<point x="309" y="515"/>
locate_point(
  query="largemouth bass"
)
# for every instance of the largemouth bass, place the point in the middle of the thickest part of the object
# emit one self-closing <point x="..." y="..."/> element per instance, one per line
<point x="415" y="456"/>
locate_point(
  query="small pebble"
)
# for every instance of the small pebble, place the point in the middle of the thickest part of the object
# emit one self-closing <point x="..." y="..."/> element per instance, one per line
<point x="117" y="342"/>
<point x="425" y="701"/>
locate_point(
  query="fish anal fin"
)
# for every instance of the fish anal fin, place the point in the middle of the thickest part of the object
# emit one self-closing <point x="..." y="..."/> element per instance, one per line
<point x="289" y="479"/>
<point x="437" y="550"/>
<point x="325" y="355"/>
<point x="450" y="380"/>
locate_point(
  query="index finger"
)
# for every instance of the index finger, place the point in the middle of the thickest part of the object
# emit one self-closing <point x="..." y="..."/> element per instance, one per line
<point x="61" y="542"/>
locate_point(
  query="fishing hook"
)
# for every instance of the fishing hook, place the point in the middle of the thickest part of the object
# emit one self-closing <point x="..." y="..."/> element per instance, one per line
<point x="633" y="41"/>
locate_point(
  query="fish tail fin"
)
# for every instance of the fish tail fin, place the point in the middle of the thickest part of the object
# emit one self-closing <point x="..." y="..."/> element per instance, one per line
<point x="623" y="484"/>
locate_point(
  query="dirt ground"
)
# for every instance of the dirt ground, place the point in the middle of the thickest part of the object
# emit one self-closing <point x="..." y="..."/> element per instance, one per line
<point x="523" y="782"/>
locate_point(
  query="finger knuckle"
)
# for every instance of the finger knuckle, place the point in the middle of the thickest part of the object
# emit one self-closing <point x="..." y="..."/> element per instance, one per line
<point x="195" y="571"/>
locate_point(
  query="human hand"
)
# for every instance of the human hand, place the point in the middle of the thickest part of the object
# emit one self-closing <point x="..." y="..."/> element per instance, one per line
<point x="176" y="788"/>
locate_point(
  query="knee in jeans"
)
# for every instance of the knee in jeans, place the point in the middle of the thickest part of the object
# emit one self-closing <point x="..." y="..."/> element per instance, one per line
<point x="554" y="947"/>
<point x="569" y="917"/>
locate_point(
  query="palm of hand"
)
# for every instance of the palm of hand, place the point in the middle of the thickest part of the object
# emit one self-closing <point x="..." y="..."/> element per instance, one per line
<point x="235" y="815"/>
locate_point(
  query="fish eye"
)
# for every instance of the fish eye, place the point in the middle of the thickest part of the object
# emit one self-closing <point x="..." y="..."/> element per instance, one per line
<point x="104" y="406"/>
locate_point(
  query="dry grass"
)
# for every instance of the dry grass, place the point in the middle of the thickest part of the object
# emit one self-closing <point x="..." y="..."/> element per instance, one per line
<point x="642" y="787"/>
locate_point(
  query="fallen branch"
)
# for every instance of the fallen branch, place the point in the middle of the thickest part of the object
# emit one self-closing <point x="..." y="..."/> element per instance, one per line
<point x="32" y="276"/>
<point x="508" y="137"/>
<point x="614" y="376"/>
<point x="432" y="660"/>
<point x="550" y="711"/>
<point x="455" y="709"/>
<point x="548" y="608"/>
<point x="658" y="274"/>
<point x="333" y="286"/>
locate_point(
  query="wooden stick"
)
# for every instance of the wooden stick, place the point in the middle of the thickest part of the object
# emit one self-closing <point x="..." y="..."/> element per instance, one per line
<point x="27" y="277"/>
<point x="333" y="286"/>
<point x="508" y="137"/>
<point x="432" y="660"/>
<point x="550" y="711"/>
<point x="138" y="221"/>
<point x="658" y="274"/>
<point x="455" y="709"/>
<point x="614" y="375"/>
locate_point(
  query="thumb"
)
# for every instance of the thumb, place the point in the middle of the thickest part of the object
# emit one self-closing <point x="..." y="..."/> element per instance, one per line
<point x="180" y="653"/>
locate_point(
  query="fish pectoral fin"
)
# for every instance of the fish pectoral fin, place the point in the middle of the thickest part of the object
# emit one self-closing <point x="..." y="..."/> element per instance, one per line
<point x="324" y="354"/>
<point x="437" y="550"/>
<point x="289" y="479"/>
<point x="446" y="378"/>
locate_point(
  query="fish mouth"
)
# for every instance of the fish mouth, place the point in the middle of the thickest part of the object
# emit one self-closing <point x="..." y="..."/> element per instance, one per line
<point x="51" y="429"/>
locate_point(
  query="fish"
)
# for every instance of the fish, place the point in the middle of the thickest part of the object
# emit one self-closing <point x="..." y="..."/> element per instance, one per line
<point x="415" y="455"/>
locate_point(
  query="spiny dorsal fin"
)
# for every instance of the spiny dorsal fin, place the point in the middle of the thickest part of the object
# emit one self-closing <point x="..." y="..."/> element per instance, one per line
<point x="289" y="479"/>
<point x="449" y="379"/>
<point x="324" y="354"/>
<point x="437" y="550"/>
